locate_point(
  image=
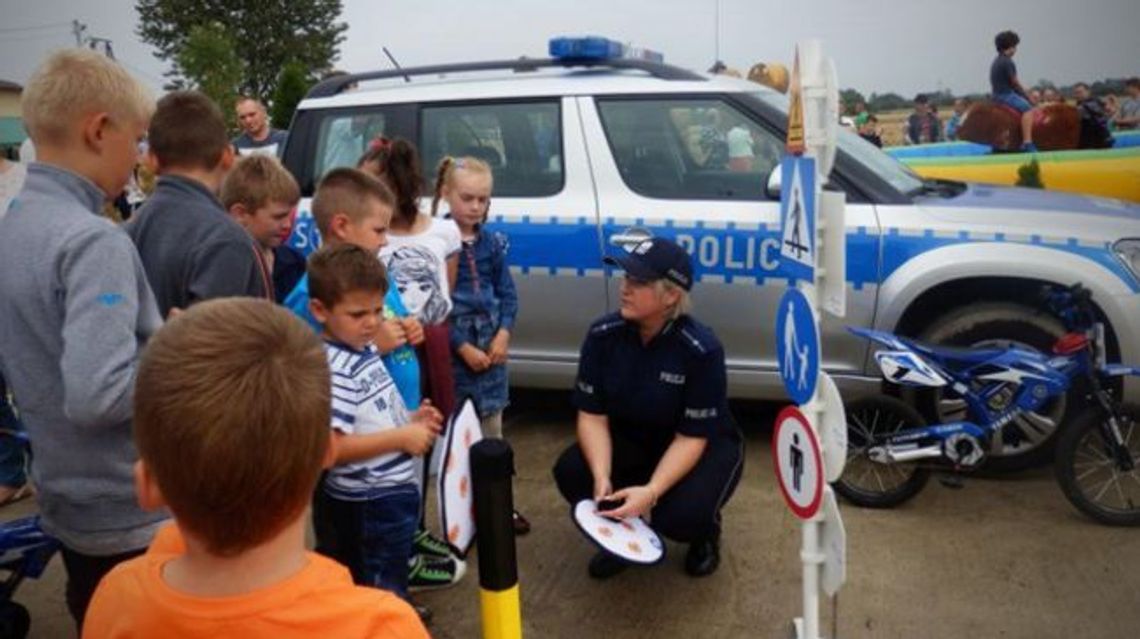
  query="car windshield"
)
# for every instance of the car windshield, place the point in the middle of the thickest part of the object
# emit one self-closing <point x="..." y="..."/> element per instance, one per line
<point x="896" y="173"/>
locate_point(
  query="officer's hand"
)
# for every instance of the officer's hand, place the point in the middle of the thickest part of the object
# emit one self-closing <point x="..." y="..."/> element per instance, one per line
<point x="602" y="488"/>
<point x="413" y="330"/>
<point x="498" y="349"/>
<point x="418" y="437"/>
<point x="390" y="336"/>
<point x="638" y="501"/>
<point x="475" y="359"/>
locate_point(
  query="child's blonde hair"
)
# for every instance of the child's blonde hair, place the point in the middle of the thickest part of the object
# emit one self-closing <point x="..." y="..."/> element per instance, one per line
<point x="446" y="172"/>
<point x="231" y="419"/>
<point x="256" y="180"/>
<point x="74" y="83"/>
<point x="347" y="191"/>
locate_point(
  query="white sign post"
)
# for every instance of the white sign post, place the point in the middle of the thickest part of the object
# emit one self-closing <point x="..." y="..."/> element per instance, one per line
<point x="817" y="266"/>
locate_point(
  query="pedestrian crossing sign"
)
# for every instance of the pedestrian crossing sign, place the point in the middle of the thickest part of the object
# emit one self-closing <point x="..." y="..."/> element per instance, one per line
<point x="798" y="217"/>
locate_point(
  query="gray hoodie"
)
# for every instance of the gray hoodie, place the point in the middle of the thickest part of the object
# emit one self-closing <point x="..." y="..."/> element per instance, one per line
<point x="75" y="312"/>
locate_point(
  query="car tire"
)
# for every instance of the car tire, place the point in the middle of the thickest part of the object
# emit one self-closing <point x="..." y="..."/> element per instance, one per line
<point x="1028" y="441"/>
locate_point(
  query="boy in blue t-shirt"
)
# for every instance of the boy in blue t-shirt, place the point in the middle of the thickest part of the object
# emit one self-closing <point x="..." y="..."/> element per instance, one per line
<point x="372" y="500"/>
<point x="352" y="207"/>
<point x="1007" y="89"/>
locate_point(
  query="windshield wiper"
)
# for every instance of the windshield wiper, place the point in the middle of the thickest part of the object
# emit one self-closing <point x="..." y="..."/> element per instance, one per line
<point x="941" y="188"/>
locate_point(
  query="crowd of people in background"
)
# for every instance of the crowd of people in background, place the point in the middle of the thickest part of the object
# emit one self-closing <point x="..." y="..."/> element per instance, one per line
<point x="1111" y="112"/>
<point x="1099" y="116"/>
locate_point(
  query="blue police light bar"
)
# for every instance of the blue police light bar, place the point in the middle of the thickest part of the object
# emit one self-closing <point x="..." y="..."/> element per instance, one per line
<point x="599" y="48"/>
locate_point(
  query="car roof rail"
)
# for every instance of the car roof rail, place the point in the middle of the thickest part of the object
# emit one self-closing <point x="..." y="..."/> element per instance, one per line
<point x="337" y="84"/>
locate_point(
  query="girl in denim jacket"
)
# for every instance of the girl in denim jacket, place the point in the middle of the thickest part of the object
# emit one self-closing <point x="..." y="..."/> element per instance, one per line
<point x="484" y="300"/>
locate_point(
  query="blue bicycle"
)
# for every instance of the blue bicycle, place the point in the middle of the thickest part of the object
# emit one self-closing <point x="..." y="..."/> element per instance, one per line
<point x="25" y="551"/>
<point x="891" y="450"/>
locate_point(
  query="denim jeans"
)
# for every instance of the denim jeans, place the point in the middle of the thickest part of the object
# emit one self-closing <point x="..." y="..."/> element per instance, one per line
<point x="373" y="538"/>
<point x="1014" y="100"/>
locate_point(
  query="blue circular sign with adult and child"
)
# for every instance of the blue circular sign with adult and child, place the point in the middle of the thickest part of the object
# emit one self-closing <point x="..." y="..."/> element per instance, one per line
<point x="797" y="345"/>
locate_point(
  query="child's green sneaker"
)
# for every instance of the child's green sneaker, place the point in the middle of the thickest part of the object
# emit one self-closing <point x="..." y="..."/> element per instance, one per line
<point x="424" y="543"/>
<point x="432" y="573"/>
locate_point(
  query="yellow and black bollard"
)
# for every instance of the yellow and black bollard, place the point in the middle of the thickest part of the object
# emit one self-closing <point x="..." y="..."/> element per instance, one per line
<point x="492" y="466"/>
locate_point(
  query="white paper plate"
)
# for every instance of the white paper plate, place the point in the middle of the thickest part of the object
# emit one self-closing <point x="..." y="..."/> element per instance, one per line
<point x="456" y="498"/>
<point x="630" y="539"/>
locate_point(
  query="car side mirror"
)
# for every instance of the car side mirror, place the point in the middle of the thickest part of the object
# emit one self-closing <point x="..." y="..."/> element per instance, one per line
<point x="774" y="183"/>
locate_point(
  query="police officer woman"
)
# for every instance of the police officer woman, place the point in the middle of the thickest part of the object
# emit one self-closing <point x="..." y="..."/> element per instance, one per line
<point x="654" y="431"/>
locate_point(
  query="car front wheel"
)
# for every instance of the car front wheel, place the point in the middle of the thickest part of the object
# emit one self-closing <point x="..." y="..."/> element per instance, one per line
<point x="1028" y="440"/>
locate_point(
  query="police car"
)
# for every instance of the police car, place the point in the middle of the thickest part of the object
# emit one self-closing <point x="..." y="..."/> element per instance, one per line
<point x="593" y="151"/>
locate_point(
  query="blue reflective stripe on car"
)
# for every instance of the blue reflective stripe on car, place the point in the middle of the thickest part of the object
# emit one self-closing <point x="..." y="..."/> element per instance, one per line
<point x="570" y="246"/>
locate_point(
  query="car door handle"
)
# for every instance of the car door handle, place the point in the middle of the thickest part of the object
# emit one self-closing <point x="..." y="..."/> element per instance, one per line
<point x="626" y="239"/>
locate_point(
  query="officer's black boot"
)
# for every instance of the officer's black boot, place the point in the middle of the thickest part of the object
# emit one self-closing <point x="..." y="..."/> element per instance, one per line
<point x="704" y="555"/>
<point x="604" y="565"/>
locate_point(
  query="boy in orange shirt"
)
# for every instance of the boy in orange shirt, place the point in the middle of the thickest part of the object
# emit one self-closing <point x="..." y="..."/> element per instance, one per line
<point x="232" y="407"/>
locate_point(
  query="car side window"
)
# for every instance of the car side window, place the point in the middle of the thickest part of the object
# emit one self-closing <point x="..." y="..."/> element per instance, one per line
<point x="343" y="137"/>
<point x="680" y="148"/>
<point x="521" y="141"/>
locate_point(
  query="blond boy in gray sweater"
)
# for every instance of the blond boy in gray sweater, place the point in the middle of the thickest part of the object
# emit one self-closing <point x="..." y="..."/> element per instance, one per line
<point x="76" y="310"/>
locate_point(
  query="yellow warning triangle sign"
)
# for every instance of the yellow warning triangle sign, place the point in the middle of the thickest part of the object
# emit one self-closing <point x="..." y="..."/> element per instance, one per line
<point x="795" y="143"/>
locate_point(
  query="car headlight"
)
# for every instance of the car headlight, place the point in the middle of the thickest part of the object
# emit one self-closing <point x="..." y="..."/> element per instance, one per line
<point x="1129" y="252"/>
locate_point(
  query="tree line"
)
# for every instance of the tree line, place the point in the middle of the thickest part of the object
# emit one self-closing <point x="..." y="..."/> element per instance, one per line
<point x="272" y="51"/>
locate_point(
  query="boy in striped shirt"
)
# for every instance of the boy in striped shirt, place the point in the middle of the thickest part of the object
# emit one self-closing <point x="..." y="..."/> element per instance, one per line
<point x="373" y="498"/>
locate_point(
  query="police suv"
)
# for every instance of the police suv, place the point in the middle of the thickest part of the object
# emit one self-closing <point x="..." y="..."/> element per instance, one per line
<point x="593" y="151"/>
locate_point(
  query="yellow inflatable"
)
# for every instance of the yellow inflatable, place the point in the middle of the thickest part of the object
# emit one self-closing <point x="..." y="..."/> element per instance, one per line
<point x="1109" y="173"/>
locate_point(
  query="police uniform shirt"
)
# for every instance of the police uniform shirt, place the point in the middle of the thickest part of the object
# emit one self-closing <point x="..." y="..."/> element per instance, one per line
<point x="674" y="384"/>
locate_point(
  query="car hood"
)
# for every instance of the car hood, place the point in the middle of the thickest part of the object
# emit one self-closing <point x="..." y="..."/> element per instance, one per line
<point x="1035" y="211"/>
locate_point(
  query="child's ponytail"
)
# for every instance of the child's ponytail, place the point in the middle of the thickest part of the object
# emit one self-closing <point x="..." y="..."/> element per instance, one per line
<point x="403" y="175"/>
<point x="441" y="175"/>
<point x="399" y="165"/>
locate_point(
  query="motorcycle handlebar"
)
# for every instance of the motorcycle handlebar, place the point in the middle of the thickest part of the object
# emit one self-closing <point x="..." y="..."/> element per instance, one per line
<point x="1073" y="304"/>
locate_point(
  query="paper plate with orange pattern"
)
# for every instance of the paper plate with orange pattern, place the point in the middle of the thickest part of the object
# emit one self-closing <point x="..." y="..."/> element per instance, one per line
<point x="456" y="499"/>
<point x="630" y="539"/>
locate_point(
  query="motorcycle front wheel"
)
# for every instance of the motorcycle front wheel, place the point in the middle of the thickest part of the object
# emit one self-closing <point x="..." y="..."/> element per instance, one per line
<point x="1089" y="469"/>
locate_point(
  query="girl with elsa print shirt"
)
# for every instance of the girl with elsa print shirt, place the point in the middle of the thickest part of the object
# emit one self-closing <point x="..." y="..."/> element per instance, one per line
<point x="422" y="251"/>
<point x="484" y="299"/>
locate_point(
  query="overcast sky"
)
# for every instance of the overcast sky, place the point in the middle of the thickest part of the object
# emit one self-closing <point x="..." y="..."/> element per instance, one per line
<point x="904" y="46"/>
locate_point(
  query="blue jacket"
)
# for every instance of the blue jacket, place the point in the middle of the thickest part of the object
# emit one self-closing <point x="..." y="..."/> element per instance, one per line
<point x="484" y="285"/>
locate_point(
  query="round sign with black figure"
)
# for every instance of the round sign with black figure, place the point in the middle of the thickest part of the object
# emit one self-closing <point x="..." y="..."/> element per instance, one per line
<point x="799" y="467"/>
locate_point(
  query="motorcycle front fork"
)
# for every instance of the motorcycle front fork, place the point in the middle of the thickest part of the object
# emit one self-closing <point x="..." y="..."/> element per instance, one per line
<point x="1110" y="428"/>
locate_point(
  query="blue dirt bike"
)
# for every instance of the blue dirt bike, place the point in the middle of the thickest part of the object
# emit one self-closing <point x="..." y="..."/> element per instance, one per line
<point x="25" y="551"/>
<point x="891" y="450"/>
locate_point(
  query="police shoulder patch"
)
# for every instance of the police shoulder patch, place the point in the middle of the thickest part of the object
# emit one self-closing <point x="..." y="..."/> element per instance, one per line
<point x="607" y="324"/>
<point x="698" y="337"/>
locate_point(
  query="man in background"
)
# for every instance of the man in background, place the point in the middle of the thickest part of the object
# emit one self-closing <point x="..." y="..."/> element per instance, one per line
<point x="257" y="135"/>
